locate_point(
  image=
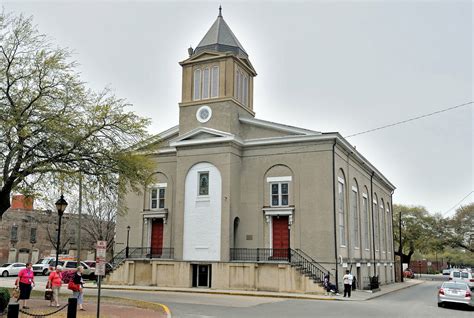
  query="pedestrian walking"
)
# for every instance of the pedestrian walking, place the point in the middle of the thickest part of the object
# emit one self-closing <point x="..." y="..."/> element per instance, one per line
<point x="78" y="293"/>
<point x="55" y="281"/>
<point x="26" y="282"/>
<point x="347" y="279"/>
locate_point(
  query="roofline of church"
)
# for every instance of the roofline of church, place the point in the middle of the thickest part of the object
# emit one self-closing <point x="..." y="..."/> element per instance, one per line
<point x="340" y="140"/>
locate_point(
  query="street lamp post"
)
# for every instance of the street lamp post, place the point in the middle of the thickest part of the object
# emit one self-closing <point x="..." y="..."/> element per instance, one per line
<point x="61" y="205"/>
<point x="401" y="247"/>
<point x="128" y="237"/>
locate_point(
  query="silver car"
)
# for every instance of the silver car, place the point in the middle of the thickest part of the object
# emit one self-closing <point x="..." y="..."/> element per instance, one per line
<point x="11" y="269"/>
<point x="455" y="292"/>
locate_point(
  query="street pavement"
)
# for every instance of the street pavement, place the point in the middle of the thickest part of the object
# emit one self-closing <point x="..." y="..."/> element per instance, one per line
<point x="414" y="298"/>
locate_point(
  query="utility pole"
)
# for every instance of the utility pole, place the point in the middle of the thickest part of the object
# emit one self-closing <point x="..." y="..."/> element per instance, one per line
<point x="401" y="246"/>
<point x="79" y="226"/>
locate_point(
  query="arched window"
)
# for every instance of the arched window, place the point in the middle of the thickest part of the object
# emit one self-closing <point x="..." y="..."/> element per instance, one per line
<point x="366" y="219"/>
<point x="376" y="222"/>
<point x="341" y="207"/>
<point x="382" y="226"/>
<point x="389" y="229"/>
<point x="355" y="237"/>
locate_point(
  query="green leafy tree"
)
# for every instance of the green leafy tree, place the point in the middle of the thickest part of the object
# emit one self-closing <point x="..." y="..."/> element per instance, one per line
<point x="417" y="231"/>
<point x="459" y="232"/>
<point x="51" y="123"/>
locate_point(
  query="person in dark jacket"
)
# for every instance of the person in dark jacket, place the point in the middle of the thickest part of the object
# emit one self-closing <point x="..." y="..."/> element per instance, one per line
<point x="77" y="279"/>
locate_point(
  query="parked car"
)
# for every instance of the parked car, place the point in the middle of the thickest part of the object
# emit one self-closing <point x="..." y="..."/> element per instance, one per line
<point x="70" y="266"/>
<point x="108" y="267"/>
<point x="447" y="271"/>
<point x="408" y="273"/>
<point x="42" y="266"/>
<point x="455" y="292"/>
<point x="461" y="276"/>
<point x="11" y="269"/>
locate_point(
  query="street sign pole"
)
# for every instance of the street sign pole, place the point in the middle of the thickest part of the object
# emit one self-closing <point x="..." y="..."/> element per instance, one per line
<point x="100" y="268"/>
<point x="98" y="296"/>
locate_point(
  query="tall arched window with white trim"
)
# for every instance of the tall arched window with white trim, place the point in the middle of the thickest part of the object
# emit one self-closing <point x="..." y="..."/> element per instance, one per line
<point x="366" y="219"/>
<point x="355" y="215"/>
<point x="341" y="207"/>
<point x="382" y="226"/>
<point x="376" y="222"/>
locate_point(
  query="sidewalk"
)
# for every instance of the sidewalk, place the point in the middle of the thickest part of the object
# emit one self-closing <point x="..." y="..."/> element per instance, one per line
<point x="108" y="309"/>
<point x="358" y="295"/>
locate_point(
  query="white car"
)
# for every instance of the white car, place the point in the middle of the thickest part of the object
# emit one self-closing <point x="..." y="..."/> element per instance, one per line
<point x="11" y="269"/>
<point x="462" y="276"/>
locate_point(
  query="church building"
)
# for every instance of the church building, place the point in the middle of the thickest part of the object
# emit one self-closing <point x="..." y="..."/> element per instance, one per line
<point x="238" y="202"/>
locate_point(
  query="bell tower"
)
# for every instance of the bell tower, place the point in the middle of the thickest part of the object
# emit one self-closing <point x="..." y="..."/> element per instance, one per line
<point x="217" y="82"/>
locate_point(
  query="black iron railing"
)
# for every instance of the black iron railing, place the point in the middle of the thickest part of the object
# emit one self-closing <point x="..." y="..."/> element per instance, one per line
<point x="307" y="266"/>
<point x="142" y="252"/>
<point x="260" y="254"/>
<point x="296" y="258"/>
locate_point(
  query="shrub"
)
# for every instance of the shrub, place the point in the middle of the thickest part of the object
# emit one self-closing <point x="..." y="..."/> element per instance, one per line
<point x="4" y="298"/>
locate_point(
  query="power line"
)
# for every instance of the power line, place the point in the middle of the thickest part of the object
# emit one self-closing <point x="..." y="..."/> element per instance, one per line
<point x="472" y="191"/>
<point x="411" y="119"/>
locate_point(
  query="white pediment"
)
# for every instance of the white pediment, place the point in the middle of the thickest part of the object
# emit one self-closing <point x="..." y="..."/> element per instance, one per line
<point x="203" y="135"/>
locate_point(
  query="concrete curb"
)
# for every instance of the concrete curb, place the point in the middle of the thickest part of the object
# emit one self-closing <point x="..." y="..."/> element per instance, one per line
<point x="395" y="290"/>
<point x="250" y="294"/>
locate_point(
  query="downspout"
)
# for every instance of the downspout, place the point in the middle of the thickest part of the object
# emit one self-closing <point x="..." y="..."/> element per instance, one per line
<point x="373" y="225"/>
<point x="334" y="205"/>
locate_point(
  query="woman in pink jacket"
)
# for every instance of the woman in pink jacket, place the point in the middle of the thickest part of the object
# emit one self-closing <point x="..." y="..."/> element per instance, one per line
<point x="26" y="281"/>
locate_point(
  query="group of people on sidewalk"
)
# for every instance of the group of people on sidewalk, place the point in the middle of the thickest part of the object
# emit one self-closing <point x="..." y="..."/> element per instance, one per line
<point x="26" y="281"/>
<point x="349" y="284"/>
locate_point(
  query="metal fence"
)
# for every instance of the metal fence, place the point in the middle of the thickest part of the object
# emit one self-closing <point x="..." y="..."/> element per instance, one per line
<point x="260" y="254"/>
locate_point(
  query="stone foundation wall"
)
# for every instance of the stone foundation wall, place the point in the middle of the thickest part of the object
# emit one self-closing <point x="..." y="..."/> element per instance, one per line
<point x="232" y="276"/>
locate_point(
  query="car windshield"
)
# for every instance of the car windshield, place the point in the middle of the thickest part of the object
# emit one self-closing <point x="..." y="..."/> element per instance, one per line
<point x="465" y="275"/>
<point x="6" y="265"/>
<point x="455" y="285"/>
<point x="40" y="261"/>
<point x="456" y="274"/>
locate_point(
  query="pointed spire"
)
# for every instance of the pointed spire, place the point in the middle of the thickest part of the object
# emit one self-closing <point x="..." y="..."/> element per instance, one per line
<point x="221" y="38"/>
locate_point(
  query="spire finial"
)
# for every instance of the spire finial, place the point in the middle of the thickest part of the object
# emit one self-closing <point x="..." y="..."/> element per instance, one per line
<point x="220" y="11"/>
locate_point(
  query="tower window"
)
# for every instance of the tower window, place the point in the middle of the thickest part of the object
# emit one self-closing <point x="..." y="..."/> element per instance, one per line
<point x="215" y="82"/>
<point x="241" y="87"/>
<point x="197" y="84"/>
<point x="206" y="83"/>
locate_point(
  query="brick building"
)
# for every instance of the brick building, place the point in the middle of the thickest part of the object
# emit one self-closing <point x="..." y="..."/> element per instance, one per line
<point x="27" y="235"/>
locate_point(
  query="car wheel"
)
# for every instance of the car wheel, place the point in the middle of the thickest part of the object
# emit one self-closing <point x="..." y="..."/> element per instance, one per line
<point x="440" y="304"/>
<point x="5" y="274"/>
<point x="45" y="272"/>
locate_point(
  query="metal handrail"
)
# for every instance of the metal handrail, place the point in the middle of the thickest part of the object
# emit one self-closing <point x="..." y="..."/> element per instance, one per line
<point x="295" y="257"/>
<point x="321" y="267"/>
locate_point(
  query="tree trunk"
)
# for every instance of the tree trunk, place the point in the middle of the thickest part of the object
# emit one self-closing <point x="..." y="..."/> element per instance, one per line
<point x="4" y="201"/>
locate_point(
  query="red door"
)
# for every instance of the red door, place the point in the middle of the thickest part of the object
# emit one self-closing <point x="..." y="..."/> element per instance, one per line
<point x="280" y="237"/>
<point x="157" y="237"/>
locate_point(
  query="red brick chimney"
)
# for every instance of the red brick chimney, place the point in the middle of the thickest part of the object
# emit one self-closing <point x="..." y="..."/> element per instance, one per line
<point x="22" y="202"/>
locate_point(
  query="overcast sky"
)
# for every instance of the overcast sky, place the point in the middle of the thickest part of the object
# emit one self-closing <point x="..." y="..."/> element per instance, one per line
<point x="345" y="66"/>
